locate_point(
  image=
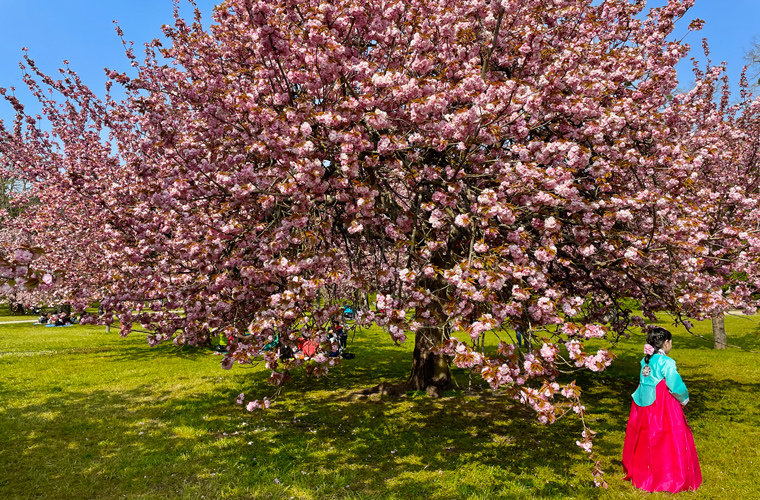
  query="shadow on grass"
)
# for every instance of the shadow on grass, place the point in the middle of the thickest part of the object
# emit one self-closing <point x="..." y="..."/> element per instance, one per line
<point x="375" y="362"/>
<point x="151" y="441"/>
<point x="95" y="443"/>
<point x="154" y="439"/>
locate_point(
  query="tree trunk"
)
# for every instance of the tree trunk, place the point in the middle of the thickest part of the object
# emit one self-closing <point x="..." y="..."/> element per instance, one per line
<point x="719" y="332"/>
<point x="430" y="369"/>
<point x="63" y="308"/>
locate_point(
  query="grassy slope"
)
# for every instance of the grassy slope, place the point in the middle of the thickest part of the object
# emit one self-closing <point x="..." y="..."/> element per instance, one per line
<point x="89" y="415"/>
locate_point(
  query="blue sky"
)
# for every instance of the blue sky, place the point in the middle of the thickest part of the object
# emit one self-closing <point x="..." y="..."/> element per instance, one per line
<point x="82" y="32"/>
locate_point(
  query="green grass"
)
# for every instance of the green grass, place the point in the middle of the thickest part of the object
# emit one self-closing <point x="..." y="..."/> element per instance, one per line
<point x="89" y="415"/>
<point x="7" y="315"/>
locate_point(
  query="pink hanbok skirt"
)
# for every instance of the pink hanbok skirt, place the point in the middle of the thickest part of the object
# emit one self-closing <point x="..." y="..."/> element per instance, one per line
<point x="659" y="452"/>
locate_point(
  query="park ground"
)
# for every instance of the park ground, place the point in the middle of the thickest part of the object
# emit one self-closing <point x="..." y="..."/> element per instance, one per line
<point x="89" y="415"/>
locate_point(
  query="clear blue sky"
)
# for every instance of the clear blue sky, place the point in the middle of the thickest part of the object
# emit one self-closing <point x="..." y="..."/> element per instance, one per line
<point x="82" y="32"/>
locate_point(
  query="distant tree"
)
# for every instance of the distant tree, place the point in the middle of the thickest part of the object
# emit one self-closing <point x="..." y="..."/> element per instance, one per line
<point x="8" y="188"/>
<point x="14" y="266"/>
<point x="752" y="58"/>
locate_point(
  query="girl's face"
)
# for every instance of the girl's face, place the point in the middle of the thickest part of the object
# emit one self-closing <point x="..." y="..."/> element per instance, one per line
<point x="667" y="346"/>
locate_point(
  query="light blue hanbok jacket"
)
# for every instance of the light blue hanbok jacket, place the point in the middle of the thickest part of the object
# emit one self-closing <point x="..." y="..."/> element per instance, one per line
<point x="661" y="367"/>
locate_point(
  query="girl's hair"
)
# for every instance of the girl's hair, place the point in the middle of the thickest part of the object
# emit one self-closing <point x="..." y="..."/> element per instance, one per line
<point x="656" y="338"/>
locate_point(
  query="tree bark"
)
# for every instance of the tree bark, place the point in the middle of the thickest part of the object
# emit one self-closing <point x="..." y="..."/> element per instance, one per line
<point x="63" y="308"/>
<point x="430" y="369"/>
<point x="719" y="332"/>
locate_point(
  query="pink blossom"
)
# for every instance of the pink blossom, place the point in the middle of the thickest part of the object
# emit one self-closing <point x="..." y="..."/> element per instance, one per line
<point x="462" y="220"/>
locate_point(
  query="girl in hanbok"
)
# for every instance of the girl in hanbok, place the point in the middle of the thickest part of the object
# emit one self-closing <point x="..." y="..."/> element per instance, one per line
<point x="659" y="452"/>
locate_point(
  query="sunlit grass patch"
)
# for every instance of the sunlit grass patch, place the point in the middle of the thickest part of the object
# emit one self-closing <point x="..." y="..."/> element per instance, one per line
<point x="85" y="414"/>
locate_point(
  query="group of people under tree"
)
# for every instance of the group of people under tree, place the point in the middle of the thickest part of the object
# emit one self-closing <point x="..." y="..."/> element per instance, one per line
<point x="62" y="318"/>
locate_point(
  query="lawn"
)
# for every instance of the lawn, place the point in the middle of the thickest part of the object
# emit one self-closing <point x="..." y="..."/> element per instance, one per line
<point x="89" y="415"/>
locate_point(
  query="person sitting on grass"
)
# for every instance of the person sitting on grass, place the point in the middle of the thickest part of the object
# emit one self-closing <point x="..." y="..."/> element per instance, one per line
<point x="43" y="319"/>
<point x="337" y="335"/>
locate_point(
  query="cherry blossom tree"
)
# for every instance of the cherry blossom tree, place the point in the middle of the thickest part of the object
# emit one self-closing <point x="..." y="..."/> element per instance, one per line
<point x="17" y="274"/>
<point x="479" y="166"/>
